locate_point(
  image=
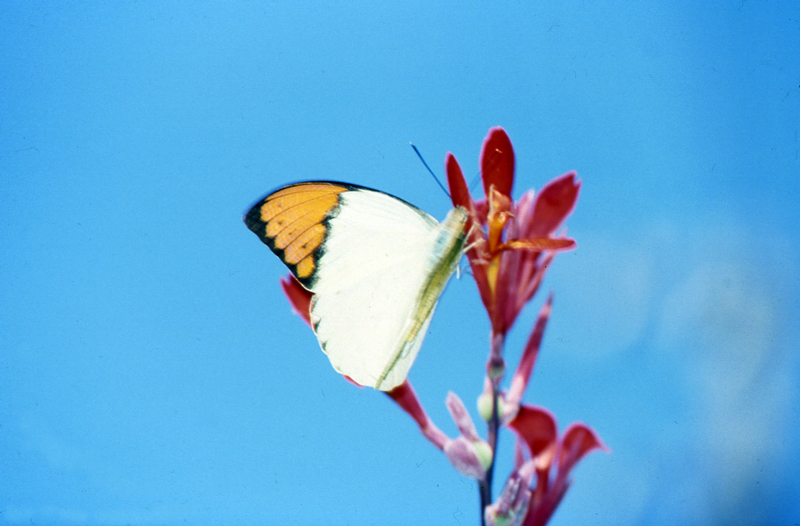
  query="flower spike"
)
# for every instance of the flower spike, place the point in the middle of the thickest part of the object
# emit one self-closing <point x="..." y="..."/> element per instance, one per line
<point x="517" y="237"/>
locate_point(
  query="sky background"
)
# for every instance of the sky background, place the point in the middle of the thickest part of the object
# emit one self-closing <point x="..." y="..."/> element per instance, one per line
<point x="151" y="371"/>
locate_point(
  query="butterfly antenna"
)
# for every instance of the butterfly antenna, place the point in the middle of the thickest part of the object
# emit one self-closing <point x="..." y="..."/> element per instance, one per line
<point x="475" y="181"/>
<point x="430" y="171"/>
<point x="493" y="160"/>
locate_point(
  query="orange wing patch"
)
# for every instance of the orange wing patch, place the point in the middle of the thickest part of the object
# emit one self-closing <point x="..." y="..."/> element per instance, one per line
<point x="291" y="223"/>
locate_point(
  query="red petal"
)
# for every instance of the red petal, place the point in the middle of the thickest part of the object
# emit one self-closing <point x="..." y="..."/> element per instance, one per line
<point x="459" y="191"/>
<point x="497" y="162"/>
<point x="523" y="373"/>
<point x="298" y="296"/>
<point x="406" y="398"/>
<point x="540" y="515"/>
<point x="352" y="381"/>
<point x="579" y="440"/>
<point x="553" y="204"/>
<point x="536" y="426"/>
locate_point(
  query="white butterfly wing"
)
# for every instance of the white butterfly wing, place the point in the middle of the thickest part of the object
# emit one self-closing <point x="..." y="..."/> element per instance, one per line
<point x="376" y="259"/>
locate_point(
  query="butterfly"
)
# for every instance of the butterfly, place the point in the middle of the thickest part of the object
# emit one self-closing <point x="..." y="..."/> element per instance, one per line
<point x="376" y="266"/>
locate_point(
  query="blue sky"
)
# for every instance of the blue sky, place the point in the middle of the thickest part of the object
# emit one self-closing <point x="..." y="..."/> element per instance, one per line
<point x="151" y="371"/>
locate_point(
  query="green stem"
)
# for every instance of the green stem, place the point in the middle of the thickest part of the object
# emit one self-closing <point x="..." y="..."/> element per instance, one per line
<point x="485" y="485"/>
